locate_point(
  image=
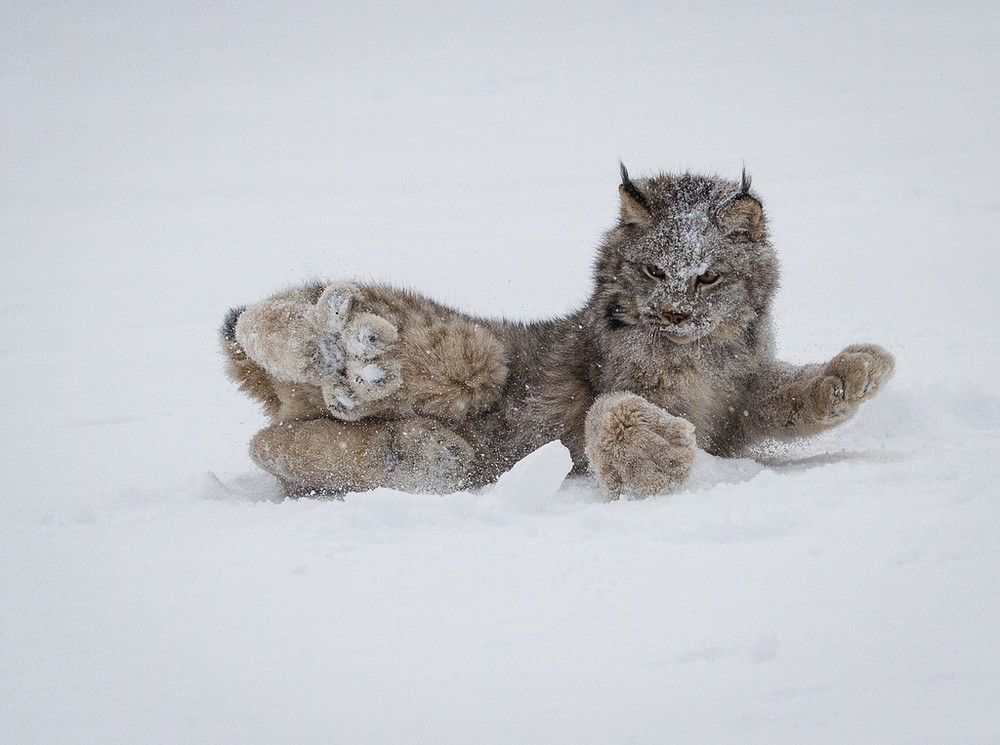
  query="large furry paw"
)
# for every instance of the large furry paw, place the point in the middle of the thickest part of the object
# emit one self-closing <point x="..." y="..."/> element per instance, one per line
<point x="426" y="457"/>
<point x="326" y="456"/>
<point x="351" y="354"/>
<point x="850" y="378"/>
<point x="635" y="447"/>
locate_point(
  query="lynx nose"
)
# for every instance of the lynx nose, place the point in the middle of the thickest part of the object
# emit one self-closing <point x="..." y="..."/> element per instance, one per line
<point x="674" y="316"/>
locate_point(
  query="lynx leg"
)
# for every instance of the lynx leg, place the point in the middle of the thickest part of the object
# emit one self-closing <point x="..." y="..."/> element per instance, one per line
<point x="846" y="381"/>
<point x="789" y="401"/>
<point x="369" y="350"/>
<point x="330" y="456"/>
<point x="636" y="447"/>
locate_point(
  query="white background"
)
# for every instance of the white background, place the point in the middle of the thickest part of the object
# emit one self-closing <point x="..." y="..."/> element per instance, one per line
<point x="162" y="162"/>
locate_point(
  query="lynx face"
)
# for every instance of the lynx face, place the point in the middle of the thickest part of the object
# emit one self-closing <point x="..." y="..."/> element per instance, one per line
<point x="689" y="258"/>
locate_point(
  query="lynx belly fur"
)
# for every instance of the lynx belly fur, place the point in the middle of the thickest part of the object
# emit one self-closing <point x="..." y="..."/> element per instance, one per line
<point x="370" y="386"/>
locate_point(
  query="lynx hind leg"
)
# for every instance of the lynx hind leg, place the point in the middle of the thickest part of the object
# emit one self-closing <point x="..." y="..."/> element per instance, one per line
<point x="326" y="456"/>
<point x="438" y="362"/>
<point x="635" y="447"/>
<point x="845" y="382"/>
<point x="373" y="350"/>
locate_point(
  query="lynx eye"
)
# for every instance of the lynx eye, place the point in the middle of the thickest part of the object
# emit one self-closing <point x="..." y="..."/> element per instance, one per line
<point x="708" y="278"/>
<point x="652" y="270"/>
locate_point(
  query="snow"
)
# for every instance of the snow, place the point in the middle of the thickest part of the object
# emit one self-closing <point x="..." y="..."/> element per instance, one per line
<point x="371" y="374"/>
<point x="165" y="161"/>
<point x="535" y="478"/>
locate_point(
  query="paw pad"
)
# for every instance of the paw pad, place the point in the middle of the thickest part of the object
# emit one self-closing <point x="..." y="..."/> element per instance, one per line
<point x="371" y="375"/>
<point x="354" y="362"/>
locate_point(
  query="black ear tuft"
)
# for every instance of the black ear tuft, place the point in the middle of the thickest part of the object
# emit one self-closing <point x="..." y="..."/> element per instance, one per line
<point x="742" y="212"/>
<point x="632" y="190"/>
<point x="635" y="208"/>
<point x="228" y="329"/>
<point x="624" y="170"/>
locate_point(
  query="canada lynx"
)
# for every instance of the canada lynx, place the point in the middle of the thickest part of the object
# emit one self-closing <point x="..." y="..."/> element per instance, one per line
<point x="372" y="386"/>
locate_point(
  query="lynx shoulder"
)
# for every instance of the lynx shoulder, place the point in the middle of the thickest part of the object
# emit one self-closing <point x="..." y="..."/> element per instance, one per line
<point x="368" y="386"/>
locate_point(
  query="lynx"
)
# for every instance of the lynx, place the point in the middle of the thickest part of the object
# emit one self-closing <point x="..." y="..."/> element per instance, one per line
<point x="370" y="386"/>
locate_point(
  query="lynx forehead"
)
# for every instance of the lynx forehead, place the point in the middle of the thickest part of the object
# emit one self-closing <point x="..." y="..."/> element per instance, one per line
<point x="685" y="245"/>
<point x="369" y="386"/>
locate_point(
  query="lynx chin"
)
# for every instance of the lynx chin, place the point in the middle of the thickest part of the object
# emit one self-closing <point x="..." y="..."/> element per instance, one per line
<point x="369" y="386"/>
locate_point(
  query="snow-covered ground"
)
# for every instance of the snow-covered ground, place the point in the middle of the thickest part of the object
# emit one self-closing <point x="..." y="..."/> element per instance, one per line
<point x="163" y="161"/>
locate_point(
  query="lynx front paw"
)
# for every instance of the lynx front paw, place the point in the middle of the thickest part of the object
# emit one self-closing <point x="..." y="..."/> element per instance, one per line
<point x="850" y="378"/>
<point x="636" y="447"/>
<point x="351" y="354"/>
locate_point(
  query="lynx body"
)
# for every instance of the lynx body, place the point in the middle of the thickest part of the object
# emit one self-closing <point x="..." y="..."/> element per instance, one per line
<point x="372" y="386"/>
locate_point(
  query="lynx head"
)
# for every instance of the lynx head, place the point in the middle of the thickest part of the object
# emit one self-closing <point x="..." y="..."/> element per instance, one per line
<point x="689" y="259"/>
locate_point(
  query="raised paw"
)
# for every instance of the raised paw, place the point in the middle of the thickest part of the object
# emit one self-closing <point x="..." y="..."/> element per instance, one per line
<point x="850" y="378"/>
<point x="635" y="447"/>
<point x="352" y="354"/>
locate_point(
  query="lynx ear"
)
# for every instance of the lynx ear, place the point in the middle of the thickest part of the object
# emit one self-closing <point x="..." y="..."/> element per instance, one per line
<point x="635" y="208"/>
<point x="743" y="213"/>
